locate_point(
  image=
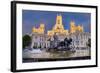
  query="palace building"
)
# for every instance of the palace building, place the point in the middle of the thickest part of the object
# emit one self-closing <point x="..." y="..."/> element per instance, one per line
<point x="58" y="28"/>
<point x="39" y="30"/>
<point x="42" y="40"/>
<point x="74" y="28"/>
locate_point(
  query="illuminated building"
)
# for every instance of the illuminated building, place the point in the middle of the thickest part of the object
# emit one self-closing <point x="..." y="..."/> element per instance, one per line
<point x="39" y="30"/>
<point x="74" y="28"/>
<point x="42" y="40"/>
<point x="58" y="27"/>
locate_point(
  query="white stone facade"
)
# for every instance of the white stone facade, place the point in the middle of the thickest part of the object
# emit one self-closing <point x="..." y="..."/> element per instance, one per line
<point x="79" y="39"/>
<point x="39" y="41"/>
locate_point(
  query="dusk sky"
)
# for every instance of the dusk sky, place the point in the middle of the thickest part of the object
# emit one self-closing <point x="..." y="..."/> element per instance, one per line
<point x="32" y="18"/>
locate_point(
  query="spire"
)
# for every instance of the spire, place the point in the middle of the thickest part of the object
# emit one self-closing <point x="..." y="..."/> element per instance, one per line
<point x="59" y="19"/>
<point x="72" y="23"/>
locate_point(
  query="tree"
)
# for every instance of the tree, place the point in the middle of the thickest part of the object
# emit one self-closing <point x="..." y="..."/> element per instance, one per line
<point x="26" y="41"/>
